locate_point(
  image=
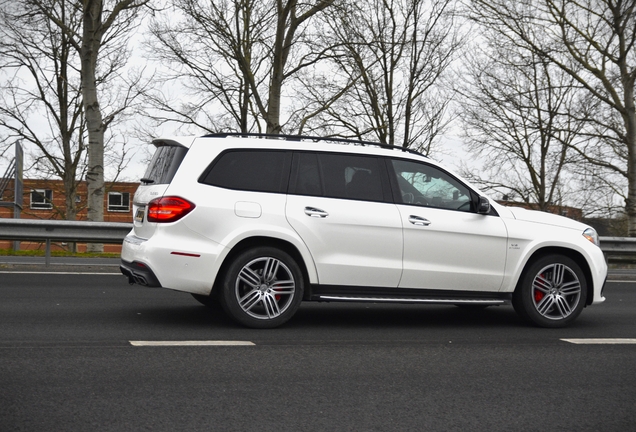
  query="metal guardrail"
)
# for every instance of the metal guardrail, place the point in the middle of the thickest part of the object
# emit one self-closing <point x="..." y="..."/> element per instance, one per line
<point x="114" y="232"/>
<point x="618" y="245"/>
<point x="63" y="231"/>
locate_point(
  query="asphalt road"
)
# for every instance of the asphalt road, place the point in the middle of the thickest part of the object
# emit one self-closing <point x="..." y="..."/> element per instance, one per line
<point x="67" y="363"/>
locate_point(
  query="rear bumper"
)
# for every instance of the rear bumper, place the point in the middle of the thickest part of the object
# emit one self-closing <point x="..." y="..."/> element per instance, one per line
<point x="139" y="273"/>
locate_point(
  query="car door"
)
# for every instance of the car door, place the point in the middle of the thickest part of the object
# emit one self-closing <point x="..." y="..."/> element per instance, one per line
<point x="447" y="244"/>
<point x="339" y="204"/>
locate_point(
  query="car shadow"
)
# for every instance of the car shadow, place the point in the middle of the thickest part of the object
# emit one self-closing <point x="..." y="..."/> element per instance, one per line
<point x="342" y="315"/>
<point x="397" y="315"/>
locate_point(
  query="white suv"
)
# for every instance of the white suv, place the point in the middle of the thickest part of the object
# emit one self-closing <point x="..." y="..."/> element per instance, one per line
<point x="260" y="223"/>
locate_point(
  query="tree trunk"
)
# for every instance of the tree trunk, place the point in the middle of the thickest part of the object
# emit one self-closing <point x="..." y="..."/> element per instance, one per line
<point x="273" y="105"/>
<point x="278" y="65"/>
<point x="91" y="42"/>
<point x="630" y="137"/>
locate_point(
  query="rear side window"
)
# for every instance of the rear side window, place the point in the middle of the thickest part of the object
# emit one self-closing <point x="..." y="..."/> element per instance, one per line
<point x="164" y="164"/>
<point x="336" y="175"/>
<point x="250" y="170"/>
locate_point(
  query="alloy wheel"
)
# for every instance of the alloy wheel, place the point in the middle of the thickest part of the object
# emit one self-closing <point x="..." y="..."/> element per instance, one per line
<point x="265" y="288"/>
<point x="556" y="291"/>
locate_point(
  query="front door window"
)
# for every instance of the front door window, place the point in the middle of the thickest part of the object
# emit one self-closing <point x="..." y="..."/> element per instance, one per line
<point x="424" y="185"/>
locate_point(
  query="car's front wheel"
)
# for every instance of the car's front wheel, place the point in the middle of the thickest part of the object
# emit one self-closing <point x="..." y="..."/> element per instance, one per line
<point x="262" y="287"/>
<point x="552" y="291"/>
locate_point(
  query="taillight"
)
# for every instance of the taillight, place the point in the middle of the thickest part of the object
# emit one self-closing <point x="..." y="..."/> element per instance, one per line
<point x="168" y="209"/>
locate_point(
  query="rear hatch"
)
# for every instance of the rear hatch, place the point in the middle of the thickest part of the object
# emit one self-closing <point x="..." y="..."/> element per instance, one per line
<point x="164" y="164"/>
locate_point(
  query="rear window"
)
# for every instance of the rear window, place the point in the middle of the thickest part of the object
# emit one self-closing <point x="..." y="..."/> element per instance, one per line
<point x="164" y="164"/>
<point x="250" y="170"/>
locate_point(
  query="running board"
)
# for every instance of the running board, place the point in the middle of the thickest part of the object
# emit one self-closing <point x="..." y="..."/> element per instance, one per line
<point x="486" y="302"/>
<point x="327" y="293"/>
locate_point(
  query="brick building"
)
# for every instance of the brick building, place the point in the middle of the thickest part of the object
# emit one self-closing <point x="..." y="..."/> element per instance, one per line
<point x="45" y="199"/>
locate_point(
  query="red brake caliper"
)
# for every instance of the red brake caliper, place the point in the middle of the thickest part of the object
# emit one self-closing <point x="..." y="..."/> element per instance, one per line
<point x="538" y="295"/>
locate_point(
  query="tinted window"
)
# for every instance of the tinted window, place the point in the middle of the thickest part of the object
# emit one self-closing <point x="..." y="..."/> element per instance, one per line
<point x="309" y="180"/>
<point x="339" y="176"/>
<point x="425" y="185"/>
<point x="253" y="170"/>
<point x="164" y="164"/>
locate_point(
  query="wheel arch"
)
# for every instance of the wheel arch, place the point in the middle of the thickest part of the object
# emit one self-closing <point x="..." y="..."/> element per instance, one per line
<point x="259" y="241"/>
<point x="574" y="255"/>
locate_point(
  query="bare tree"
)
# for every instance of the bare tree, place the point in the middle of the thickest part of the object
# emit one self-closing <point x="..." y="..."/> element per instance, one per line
<point x="101" y="43"/>
<point x="102" y="47"/>
<point x="593" y="42"/>
<point x="516" y="116"/>
<point x="103" y="33"/>
<point x="40" y="95"/>
<point x="57" y="54"/>
<point x="233" y="58"/>
<point x="392" y="57"/>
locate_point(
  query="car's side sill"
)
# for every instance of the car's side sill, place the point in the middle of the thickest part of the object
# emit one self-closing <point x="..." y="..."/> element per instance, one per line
<point x="405" y="295"/>
<point x="488" y="302"/>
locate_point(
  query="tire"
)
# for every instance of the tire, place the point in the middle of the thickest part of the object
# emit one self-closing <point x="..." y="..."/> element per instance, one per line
<point x="552" y="292"/>
<point x="262" y="288"/>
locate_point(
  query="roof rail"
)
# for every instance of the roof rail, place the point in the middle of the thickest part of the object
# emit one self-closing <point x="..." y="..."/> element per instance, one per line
<point x="311" y="138"/>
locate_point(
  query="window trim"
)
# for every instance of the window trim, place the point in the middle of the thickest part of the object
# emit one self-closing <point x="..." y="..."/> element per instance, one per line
<point x="45" y="204"/>
<point x="121" y="194"/>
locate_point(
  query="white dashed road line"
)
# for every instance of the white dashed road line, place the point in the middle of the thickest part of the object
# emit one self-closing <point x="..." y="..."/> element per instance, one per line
<point x="606" y="341"/>
<point x="192" y="343"/>
<point x="588" y="341"/>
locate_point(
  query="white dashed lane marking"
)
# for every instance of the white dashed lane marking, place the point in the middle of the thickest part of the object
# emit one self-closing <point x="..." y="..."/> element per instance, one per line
<point x="192" y="343"/>
<point x="606" y="341"/>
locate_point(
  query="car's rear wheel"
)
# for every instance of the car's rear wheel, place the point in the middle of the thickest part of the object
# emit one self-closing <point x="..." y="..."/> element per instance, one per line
<point x="552" y="292"/>
<point x="262" y="288"/>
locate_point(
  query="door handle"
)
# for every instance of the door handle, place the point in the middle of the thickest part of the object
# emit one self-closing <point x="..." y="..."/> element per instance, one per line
<point x="419" y="221"/>
<point x="315" y="212"/>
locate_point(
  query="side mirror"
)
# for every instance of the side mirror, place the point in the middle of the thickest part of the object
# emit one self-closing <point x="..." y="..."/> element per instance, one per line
<point x="483" y="205"/>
